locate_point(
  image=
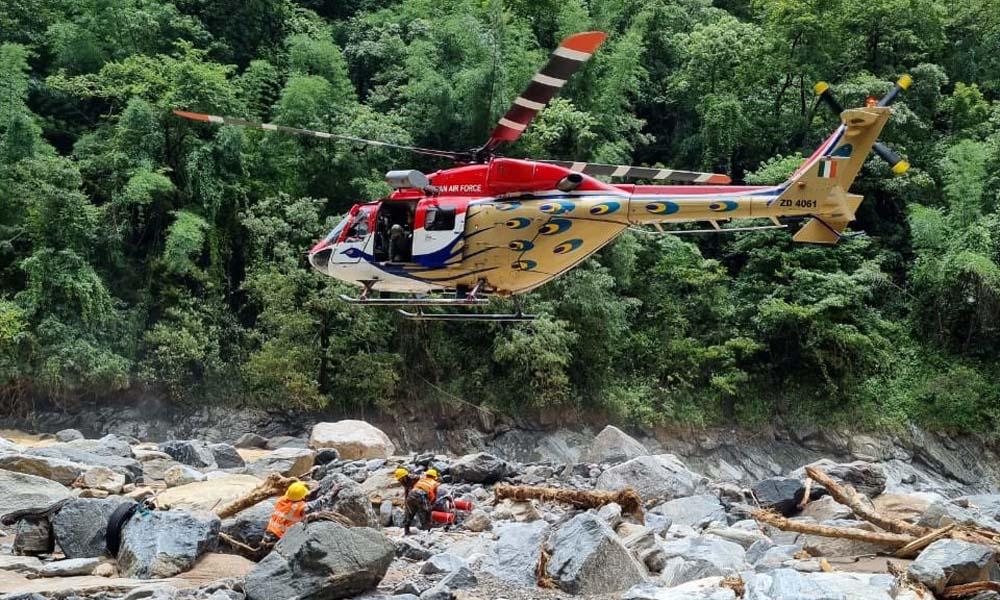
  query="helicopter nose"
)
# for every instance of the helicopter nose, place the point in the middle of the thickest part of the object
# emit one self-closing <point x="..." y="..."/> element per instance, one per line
<point x="320" y="259"/>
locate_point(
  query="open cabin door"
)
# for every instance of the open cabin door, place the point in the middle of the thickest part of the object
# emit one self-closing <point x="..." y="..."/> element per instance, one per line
<point x="356" y="240"/>
<point x="439" y="226"/>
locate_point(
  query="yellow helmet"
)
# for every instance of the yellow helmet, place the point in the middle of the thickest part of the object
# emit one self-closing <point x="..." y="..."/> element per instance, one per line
<point x="401" y="473"/>
<point x="296" y="491"/>
<point x="432" y="473"/>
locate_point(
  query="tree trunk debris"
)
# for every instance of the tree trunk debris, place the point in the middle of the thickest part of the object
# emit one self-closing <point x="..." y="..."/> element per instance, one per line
<point x="850" y="498"/>
<point x="894" y="540"/>
<point x="970" y="589"/>
<point x="627" y="498"/>
<point x="274" y="485"/>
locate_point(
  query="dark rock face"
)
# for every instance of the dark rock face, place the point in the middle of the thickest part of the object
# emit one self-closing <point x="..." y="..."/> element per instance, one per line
<point x="81" y="524"/>
<point x="226" y="456"/>
<point x="479" y="468"/>
<point x="249" y="525"/>
<point x="783" y="494"/>
<point x="163" y="544"/>
<point x="321" y="561"/>
<point x="865" y="477"/>
<point x="588" y="558"/>
<point x="193" y="453"/>
<point x="250" y="440"/>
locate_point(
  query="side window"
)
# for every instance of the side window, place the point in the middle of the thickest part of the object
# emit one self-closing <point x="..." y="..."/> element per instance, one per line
<point x="440" y="218"/>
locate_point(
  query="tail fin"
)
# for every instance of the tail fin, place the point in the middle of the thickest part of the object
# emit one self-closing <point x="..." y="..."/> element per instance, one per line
<point x="820" y="186"/>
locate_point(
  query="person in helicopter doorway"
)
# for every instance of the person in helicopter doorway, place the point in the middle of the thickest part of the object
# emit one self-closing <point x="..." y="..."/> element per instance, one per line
<point x="420" y="500"/>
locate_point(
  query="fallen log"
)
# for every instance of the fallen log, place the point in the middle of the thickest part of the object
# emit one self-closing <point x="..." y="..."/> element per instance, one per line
<point x="849" y="533"/>
<point x="970" y="589"/>
<point x="627" y="498"/>
<point x="850" y="498"/>
<point x="250" y="551"/>
<point x="274" y="485"/>
<point x="329" y="515"/>
<point x="913" y="548"/>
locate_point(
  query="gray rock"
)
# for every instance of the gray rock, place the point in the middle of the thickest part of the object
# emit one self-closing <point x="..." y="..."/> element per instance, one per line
<point x="69" y="435"/>
<point x="411" y="548"/>
<point x="694" y="511"/>
<point x="777" y="557"/>
<point x="56" y="469"/>
<point x="758" y="550"/>
<point x="694" y="558"/>
<point x="20" y="564"/>
<point x="80" y="526"/>
<point x="153" y="591"/>
<point x="660" y="476"/>
<point x="953" y="562"/>
<point x="942" y="513"/>
<point x="438" y="592"/>
<point x="70" y="567"/>
<point x="588" y="558"/>
<point x="385" y="513"/>
<point x="194" y="453"/>
<point x="290" y="462"/>
<point x="20" y="492"/>
<point x="826" y="508"/>
<point x="103" y="479"/>
<point x="33" y="537"/>
<point x="442" y="563"/>
<point x="743" y="533"/>
<point x="702" y="589"/>
<point x="515" y="555"/>
<point x="7" y="446"/>
<point x="351" y="501"/>
<point x="818" y="545"/>
<point x="479" y="468"/>
<point x="460" y="578"/>
<point x="322" y="561"/>
<point x="129" y="467"/>
<point x="226" y="456"/>
<point x="165" y="543"/>
<point x="783" y="494"/>
<point x="611" y="513"/>
<point x="181" y="474"/>
<point x="642" y="543"/>
<point x="782" y="584"/>
<point x="865" y="477"/>
<point x="248" y="526"/>
<point x="612" y="445"/>
<point x="286" y="441"/>
<point x="251" y="440"/>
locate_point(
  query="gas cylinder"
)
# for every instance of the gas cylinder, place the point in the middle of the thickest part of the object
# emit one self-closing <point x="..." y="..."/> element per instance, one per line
<point x="463" y="505"/>
<point x="442" y="518"/>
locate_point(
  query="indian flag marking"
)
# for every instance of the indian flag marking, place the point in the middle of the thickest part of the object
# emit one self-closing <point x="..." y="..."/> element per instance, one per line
<point x="828" y="169"/>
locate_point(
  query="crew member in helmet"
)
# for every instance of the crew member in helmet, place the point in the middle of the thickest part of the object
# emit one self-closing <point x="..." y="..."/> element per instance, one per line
<point x="420" y="499"/>
<point x="406" y="479"/>
<point x="292" y="508"/>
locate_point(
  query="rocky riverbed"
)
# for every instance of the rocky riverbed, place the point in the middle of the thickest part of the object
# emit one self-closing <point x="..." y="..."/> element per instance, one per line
<point x="694" y="536"/>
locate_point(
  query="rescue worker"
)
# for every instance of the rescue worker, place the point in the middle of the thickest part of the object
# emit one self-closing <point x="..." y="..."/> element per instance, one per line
<point x="420" y="499"/>
<point x="292" y="508"/>
<point x="406" y="479"/>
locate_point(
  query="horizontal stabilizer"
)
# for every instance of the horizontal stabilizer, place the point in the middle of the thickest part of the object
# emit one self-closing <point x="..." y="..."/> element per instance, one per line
<point x="821" y="231"/>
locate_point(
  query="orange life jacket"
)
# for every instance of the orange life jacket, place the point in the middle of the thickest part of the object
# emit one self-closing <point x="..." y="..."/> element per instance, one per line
<point x="429" y="485"/>
<point x="286" y="513"/>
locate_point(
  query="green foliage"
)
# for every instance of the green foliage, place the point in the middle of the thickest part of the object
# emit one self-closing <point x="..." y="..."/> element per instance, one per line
<point x="137" y="249"/>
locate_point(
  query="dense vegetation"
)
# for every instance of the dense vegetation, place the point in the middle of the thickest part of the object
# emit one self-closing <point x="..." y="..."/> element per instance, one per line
<point x="140" y="252"/>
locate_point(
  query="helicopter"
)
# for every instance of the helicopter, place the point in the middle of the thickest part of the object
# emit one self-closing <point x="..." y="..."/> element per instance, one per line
<point x="498" y="226"/>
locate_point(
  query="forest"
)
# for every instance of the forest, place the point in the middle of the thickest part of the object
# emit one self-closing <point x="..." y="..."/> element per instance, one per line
<point x="143" y="254"/>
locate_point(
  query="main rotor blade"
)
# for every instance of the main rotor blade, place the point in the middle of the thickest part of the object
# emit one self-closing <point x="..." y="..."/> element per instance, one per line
<point x="457" y="156"/>
<point x="564" y="61"/>
<point x="598" y="169"/>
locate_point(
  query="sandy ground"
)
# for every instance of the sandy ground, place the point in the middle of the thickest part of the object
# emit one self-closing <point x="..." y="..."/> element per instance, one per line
<point x="209" y="568"/>
<point x="252" y="454"/>
<point x="27" y="439"/>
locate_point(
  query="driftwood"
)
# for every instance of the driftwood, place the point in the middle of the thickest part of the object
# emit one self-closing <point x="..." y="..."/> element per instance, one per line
<point x="970" y="589"/>
<point x="627" y="498"/>
<point x="735" y="583"/>
<point x="275" y="484"/>
<point x="913" y="548"/>
<point x="894" y="540"/>
<point x="329" y="515"/>
<point x="249" y="551"/>
<point x="849" y="498"/>
<point x="542" y="578"/>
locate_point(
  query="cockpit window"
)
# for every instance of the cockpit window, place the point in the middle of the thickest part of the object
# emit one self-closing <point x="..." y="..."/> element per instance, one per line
<point x="359" y="225"/>
<point x="440" y="219"/>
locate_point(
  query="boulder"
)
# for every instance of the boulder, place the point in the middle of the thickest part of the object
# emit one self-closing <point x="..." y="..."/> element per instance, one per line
<point x="818" y="545"/>
<point x="321" y="561"/>
<point x="155" y="469"/>
<point x="286" y="441"/>
<point x="194" y="453"/>
<point x="985" y="504"/>
<point x="20" y="564"/>
<point x="70" y="567"/>
<point x="659" y="476"/>
<point x="478" y="521"/>
<point x="953" y="562"/>
<point x="442" y="563"/>
<point x="103" y="478"/>
<point x="383" y="483"/>
<point x="515" y="555"/>
<point x="33" y="537"/>
<point x="7" y="447"/>
<point x="479" y="468"/>
<point x="744" y="533"/>
<point x="826" y="508"/>
<point x="207" y="495"/>
<point x="783" y="494"/>
<point x="226" y="456"/>
<point x="782" y="584"/>
<point x="80" y="526"/>
<point x="251" y="440"/>
<point x="164" y="543"/>
<point x="642" y="543"/>
<point x="865" y="477"/>
<point x="588" y="558"/>
<point x="56" y="469"/>
<point x="350" y="501"/>
<point x="68" y="435"/>
<point x="612" y="445"/>
<point x="181" y="474"/>
<point x="109" y="445"/>
<point x="19" y="491"/>
<point x="352" y="439"/>
<point x="290" y="462"/>
<point x="903" y="507"/>
<point x="129" y="467"/>
<point x="520" y="511"/>
<point x="694" y="511"/>
<point x="248" y="526"/>
<point x="412" y="548"/>
<point x="943" y="512"/>
<point x="694" y="558"/>
<point x="709" y="588"/>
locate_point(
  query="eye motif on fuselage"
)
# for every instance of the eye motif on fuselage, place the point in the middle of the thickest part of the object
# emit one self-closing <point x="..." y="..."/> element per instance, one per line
<point x="557" y="208"/>
<point x="724" y="206"/>
<point x="555" y="226"/>
<point x="505" y="206"/>
<point x="568" y="246"/>
<point x="518" y="223"/>
<point x="524" y="265"/>
<point x="605" y="208"/>
<point x="662" y="208"/>
<point x="521" y="245"/>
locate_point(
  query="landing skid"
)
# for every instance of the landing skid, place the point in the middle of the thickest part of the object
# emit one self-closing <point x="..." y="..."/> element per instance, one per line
<point x="414" y="302"/>
<point x="508" y="317"/>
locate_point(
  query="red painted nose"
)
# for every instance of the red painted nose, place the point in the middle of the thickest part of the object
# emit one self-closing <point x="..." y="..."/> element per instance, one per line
<point x="319" y="257"/>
